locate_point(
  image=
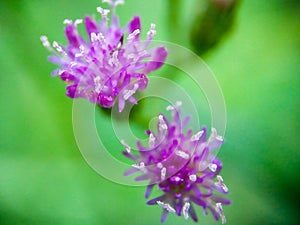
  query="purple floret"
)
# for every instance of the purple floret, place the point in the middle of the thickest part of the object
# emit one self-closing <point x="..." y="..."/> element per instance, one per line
<point x="112" y="63"/>
<point x="183" y="167"/>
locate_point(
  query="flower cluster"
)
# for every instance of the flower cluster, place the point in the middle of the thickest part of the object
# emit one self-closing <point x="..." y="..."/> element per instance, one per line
<point x="113" y="65"/>
<point x="183" y="167"/>
<point x="109" y="65"/>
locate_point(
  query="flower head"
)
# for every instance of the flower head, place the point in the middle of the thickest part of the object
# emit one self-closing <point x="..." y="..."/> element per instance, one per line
<point x="110" y="63"/>
<point x="183" y="167"/>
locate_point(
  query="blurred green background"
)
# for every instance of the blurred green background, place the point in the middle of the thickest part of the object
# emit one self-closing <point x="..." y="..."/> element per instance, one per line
<point x="45" y="180"/>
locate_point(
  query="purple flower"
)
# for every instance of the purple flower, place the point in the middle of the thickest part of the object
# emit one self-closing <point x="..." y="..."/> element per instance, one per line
<point x="183" y="167"/>
<point x="110" y="64"/>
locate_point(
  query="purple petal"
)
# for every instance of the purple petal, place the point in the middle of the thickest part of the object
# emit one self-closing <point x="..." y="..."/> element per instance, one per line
<point x="198" y="201"/>
<point x="143" y="82"/>
<point x="178" y="207"/>
<point x="121" y="103"/>
<point x="154" y="200"/>
<point x="214" y="212"/>
<point x="148" y="190"/>
<point x="55" y="72"/>
<point x="141" y="147"/>
<point x="129" y="155"/>
<point x="222" y="200"/>
<point x="132" y="100"/>
<point x="185" y="121"/>
<point x="215" y="144"/>
<point x="90" y="26"/>
<point x="203" y="137"/>
<point x="131" y="171"/>
<point x="193" y="213"/>
<point x="142" y="177"/>
<point x="197" y="191"/>
<point x="55" y="60"/>
<point x="71" y="90"/>
<point x="106" y="100"/>
<point x="134" y="24"/>
<point x="159" y="55"/>
<point x="67" y="77"/>
<point x="72" y="35"/>
<point x="164" y="216"/>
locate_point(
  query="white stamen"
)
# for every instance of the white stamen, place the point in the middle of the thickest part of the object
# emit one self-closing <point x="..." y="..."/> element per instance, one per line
<point x="132" y="56"/>
<point x="98" y="85"/>
<point x="114" y="59"/>
<point x="162" y="123"/>
<point x="45" y="42"/>
<point x="221" y="184"/>
<point x="72" y="64"/>
<point x="127" y="147"/>
<point x="177" y="179"/>
<point x="58" y="48"/>
<point x="97" y="37"/>
<point x="137" y="56"/>
<point x="193" y="177"/>
<point x="214" y="131"/>
<point x="213" y="167"/>
<point x="94" y="37"/>
<point x="182" y="154"/>
<point x="151" y="140"/>
<point x="220" y="211"/>
<point x="61" y="72"/>
<point x="219" y="138"/>
<point x="152" y="31"/>
<point x="178" y="103"/>
<point x="159" y="165"/>
<point x="119" y="45"/>
<point x="78" y="21"/>
<point x="128" y="93"/>
<point x="185" y="210"/>
<point x="81" y="47"/>
<point x="68" y="21"/>
<point x="166" y="206"/>
<point x="220" y="179"/>
<point x="163" y="173"/>
<point x="170" y="108"/>
<point x="133" y="34"/>
<point x="197" y="136"/>
<point x="141" y="165"/>
<point x="103" y="12"/>
<point x="213" y="134"/>
<point x="142" y="54"/>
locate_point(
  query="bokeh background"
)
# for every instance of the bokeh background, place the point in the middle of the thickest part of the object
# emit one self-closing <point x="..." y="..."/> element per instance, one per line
<point x="45" y="180"/>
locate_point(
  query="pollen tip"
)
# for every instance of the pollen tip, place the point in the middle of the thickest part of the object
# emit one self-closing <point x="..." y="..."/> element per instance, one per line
<point x="45" y="41"/>
<point x="213" y="167"/>
<point x="67" y="21"/>
<point x="178" y="103"/>
<point x="185" y="210"/>
<point x="170" y="107"/>
<point x="193" y="177"/>
<point x="127" y="147"/>
<point x="78" y="21"/>
<point x="166" y="206"/>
